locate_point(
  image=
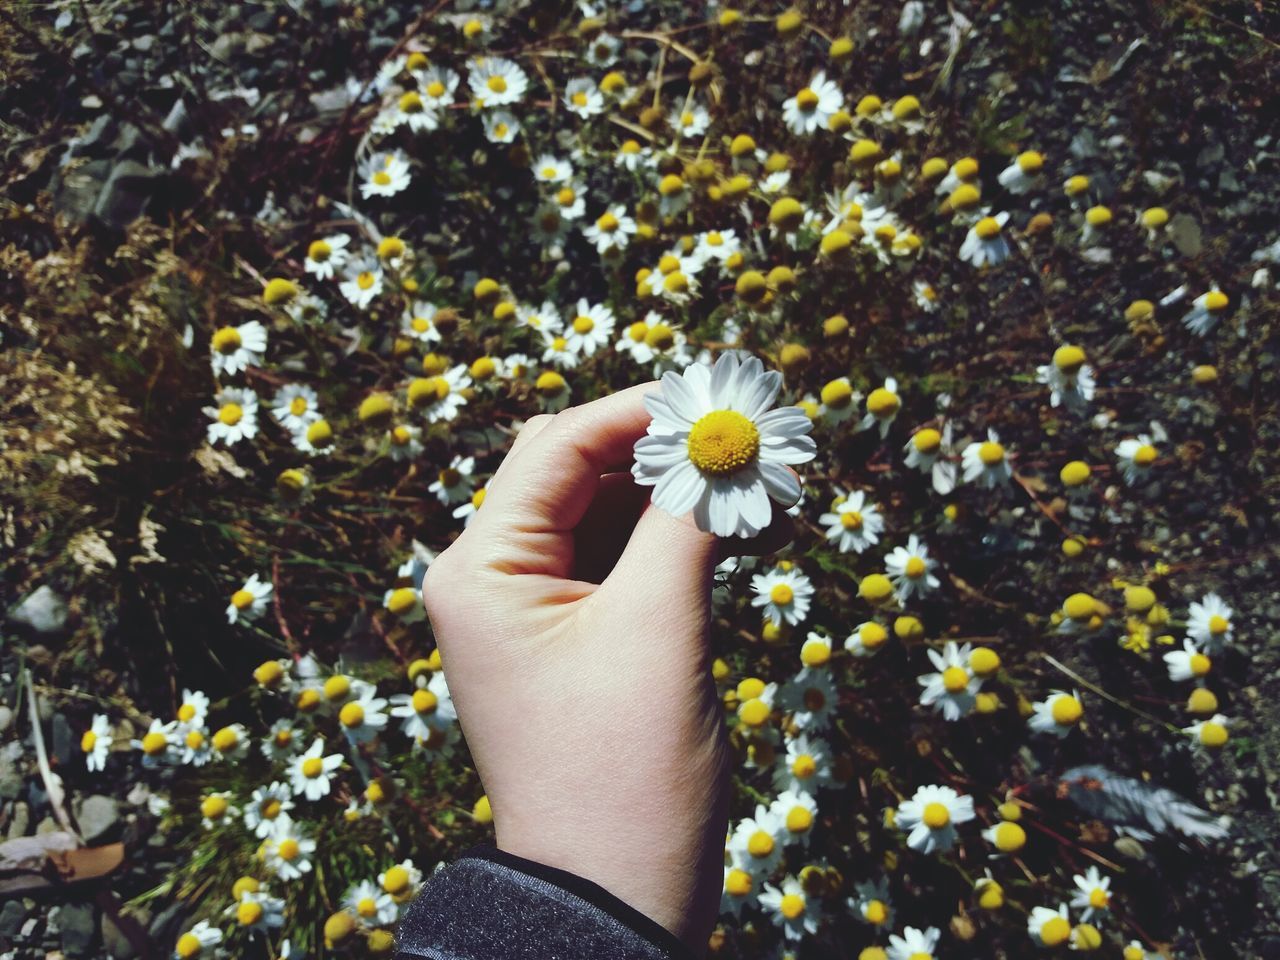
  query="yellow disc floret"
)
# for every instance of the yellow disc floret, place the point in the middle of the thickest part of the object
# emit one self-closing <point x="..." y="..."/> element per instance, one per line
<point x="723" y="442"/>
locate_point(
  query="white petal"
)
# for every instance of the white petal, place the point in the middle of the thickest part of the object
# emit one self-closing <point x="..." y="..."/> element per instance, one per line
<point x="782" y="485"/>
<point x="680" y="397"/>
<point x="679" y="489"/>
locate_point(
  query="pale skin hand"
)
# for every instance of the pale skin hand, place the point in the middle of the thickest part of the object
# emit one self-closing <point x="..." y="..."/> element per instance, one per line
<point x="572" y="620"/>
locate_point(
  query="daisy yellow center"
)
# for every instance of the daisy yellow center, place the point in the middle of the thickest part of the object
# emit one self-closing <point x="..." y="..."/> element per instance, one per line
<point x="882" y="402"/>
<point x="837" y="394"/>
<point x="737" y="883"/>
<point x="213" y="807"/>
<point x="88" y="741"/>
<point x="583" y="324"/>
<point x="991" y="453"/>
<point x="477" y="498"/>
<point x="927" y="440"/>
<point x="792" y="906"/>
<point x="1068" y="359"/>
<point x="365" y="280"/>
<point x="497" y="84"/>
<point x="270" y="809"/>
<point x="188" y="946"/>
<point x="337" y="687"/>
<point x="226" y="739"/>
<point x="402" y="599"/>
<point x="500" y="130"/>
<point x="1066" y="711"/>
<point x="876" y="912"/>
<point x="367" y="907"/>
<point x="851" y="520"/>
<point x="807" y="100"/>
<point x="227" y="340"/>
<point x="955" y="679"/>
<point x="1215" y="300"/>
<point x="248" y="913"/>
<point x="723" y="442"/>
<point x="401" y="436"/>
<point x="312" y="767"/>
<point x="298" y="406"/>
<point x="607" y="223"/>
<point x="1009" y="837"/>
<point x="987" y="227"/>
<point x="579" y="99"/>
<point x="411" y="102"/>
<point x="760" y="844"/>
<point x="804" y="766"/>
<point x="424" y="701"/>
<point x="1145" y="455"/>
<point x="936" y="816"/>
<point x="382" y="178"/>
<point x="1213" y="734"/>
<point x="782" y="594"/>
<point x="1218" y="625"/>
<point x="566" y="196"/>
<point x="1199" y="664"/>
<point x="559" y="343"/>
<point x="231" y="414"/>
<point x="395" y="880"/>
<point x="815" y="653"/>
<point x="195" y="739"/>
<point x="154" y="743"/>
<point x="242" y="599"/>
<point x="435" y="89"/>
<point x="284" y="737"/>
<point x="351" y="715"/>
<point x="186" y="712"/>
<point x="915" y="568"/>
<point x="754" y="712"/>
<point x="1054" y="932"/>
<point x="1099" y="898"/>
<point x="288" y="849"/>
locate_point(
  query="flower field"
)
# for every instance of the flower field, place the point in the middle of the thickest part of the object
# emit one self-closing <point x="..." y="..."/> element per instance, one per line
<point x="283" y="281"/>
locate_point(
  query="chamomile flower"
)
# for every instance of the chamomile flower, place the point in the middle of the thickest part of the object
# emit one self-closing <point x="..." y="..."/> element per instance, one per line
<point x="194" y="748"/>
<point x="791" y="908"/>
<point x="632" y="157"/>
<point x="405" y="603"/>
<point x="230" y="743"/>
<point x="853" y="524"/>
<point x="811" y="108"/>
<point x="95" y="743"/>
<point x="201" y="937"/>
<point x="926" y="295"/>
<point x="570" y="201"/>
<point x="1137" y="456"/>
<point x="963" y="172"/>
<point x="401" y="881"/>
<point x="611" y="231"/>
<point x="589" y="328"/>
<point x="1093" y="896"/>
<point x="650" y="339"/>
<point x="1211" y="734"/>
<point x="310" y="772"/>
<point x="1007" y="837"/>
<point x="158" y="744"/>
<point x="986" y="463"/>
<point x="426" y="709"/>
<point x="883" y="404"/>
<point x="440" y="397"/>
<point x="810" y="697"/>
<point x="438" y="86"/>
<point x="496" y="82"/>
<point x="453" y="483"/>
<point x="1048" y="927"/>
<point x="839" y="400"/>
<point x="1188" y="663"/>
<point x="953" y="689"/>
<point x="914" y="944"/>
<point x="1057" y="714"/>
<point x="362" y="282"/>
<point x="374" y="906"/>
<point x="783" y="593"/>
<point x="930" y="817"/>
<point x="1096" y="227"/>
<point x="1206" y="310"/>
<point x="690" y="121"/>
<point x="1024" y="173"/>
<point x="543" y="319"/>
<point x="384" y="175"/>
<point x="1069" y="378"/>
<point x="738" y="891"/>
<point x="549" y="169"/>
<point x="250" y="601"/>
<point x="985" y="244"/>
<point x="234" y="416"/>
<point x="1209" y="623"/>
<point x="872" y="904"/>
<point x="553" y="391"/>
<point x="234" y="349"/>
<point x="193" y="708"/>
<point x="911" y="569"/>
<point x="363" y="718"/>
<point x="797" y="811"/>
<point x="405" y="442"/>
<point x="756" y="844"/>
<point x="418" y="323"/>
<point x="583" y="98"/>
<point x="467" y="511"/>
<point x="411" y="109"/>
<point x="500" y="126"/>
<point x="257" y="911"/>
<point x="806" y="767"/>
<point x="288" y="850"/>
<point x="296" y="407"/>
<point x="866" y="639"/>
<point x="267" y="808"/>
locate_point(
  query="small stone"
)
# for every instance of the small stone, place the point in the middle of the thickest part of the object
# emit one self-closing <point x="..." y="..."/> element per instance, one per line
<point x="114" y="940"/>
<point x="126" y="193"/>
<point x="43" y="611"/>
<point x="77" y="926"/>
<point x="11" y="916"/>
<point x="1186" y="236"/>
<point x="98" y="817"/>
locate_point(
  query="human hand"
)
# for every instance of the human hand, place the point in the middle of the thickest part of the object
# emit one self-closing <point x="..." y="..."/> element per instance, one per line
<point x="572" y="619"/>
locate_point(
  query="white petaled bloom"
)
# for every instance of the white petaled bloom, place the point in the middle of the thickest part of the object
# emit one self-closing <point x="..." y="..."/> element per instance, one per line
<point x="296" y="407"/>
<point x="280" y="742"/>
<point x="553" y="391"/>
<point x="853" y="524"/>
<point x="646" y="340"/>
<point x="95" y="743"/>
<point x="235" y="416"/>
<point x="883" y="404"/>
<point x="268" y="807"/>
<point x="611" y="231"/>
<point x="603" y="50"/>
<point x="543" y="319"/>
<point x="371" y="904"/>
<point x="931" y="815"/>
<point x="1206" y="310"/>
<point x="797" y="811"/>
<point x="1210" y="734"/>
<point x="426" y="709"/>
<point x="231" y="742"/>
<point x="550" y="228"/>
<point x="775" y="182"/>
<point x="632" y="157"/>
<point x="868" y="637"/>
<point x="1069" y="378"/>
<point x="911" y="569"/>
<point x="811" y="698"/>
<point x="986" y="462"/>
<point x="1209" y="623"/>
<point x="362" y="282"/>
<point x="419" y="323"/>
<point x="157" y="744"/>
<point x="589" y="328"/>
<point x="690" y="121"/>
<point x="718" y="245"/>
<point x="811" y="108"/>
<point x="515" y="366"/>
<point x="442" y="397"/>
<point x="557" y="351"/>
<point x="401" y="881"/>
<point x="583" y="98"/>
<point x="287" y="851"/>
<point x="784" y="595"/>
<point x="405" y="442"/>
<point x="807" y="766"/>
<point x="985" y="244"/>
<point x="1093" y="896"/>
<point x="551" y="169"/>
<point x="1049" y="927"/>
<point x="930" y="451"/>
<point x="571" y="201"/>
<point x="194" y="748"/>
<point x="791" y="908"/>
<point x="310" y="772"/>
<point x="467" y="512"/>
<point x="250" y="601"/>
<point x="1057" y="714"/>
<point x="413" y="110"/>
<point x="257" y="911"/>
<point x="363" y="718"/>
<point x="1024" y="173"/>
<point x="405" y="602"/>
<point x="715" y="447"/>
<point x="236" y="348"/>
<point x="438" y="87"/>
<point x="926" y="295"/>
<point x="756" y="844"/>
<point x="839" y="400"/>
<point x="453" y="484"/>
<point x="496" y="82"/>
<point x="738" y="890"/>
<point x="871" y="902"/>
<point x="307" y="309"/>
<point x="500" y="126"/>
<point x="195" y="941"/>
<point x="384" y="175"/>
<point x="952" y="690"/>
<point x="1137" y="456"/>
<point x="194" y="707"/>
<point x="1188" y="663"/>
<point x="914" y="944"/>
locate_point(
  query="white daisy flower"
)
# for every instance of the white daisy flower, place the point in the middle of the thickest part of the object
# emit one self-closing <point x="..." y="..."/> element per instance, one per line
<point x="985" y="243"/>
<point x="712" y="448"/>
<point x="500" y="126"/>
<point x="571" y="201"/>
<point x="362" y="282"/>
<point x="1069" y="378"/>
<point x="811" y="698"/>
<point x="645" y="340"/>
<point x="964" y="170"/>
<point x="95" y="743"/>
<point x="194" y="749"/>
<point x="414" y="111"/>
<point x="914" y="944"/>
<point x="590" y="328"/>
<point x="157" y="744"/>
<point x="250" y="601"/>
<point x="195" y="941"/>
<point x="883" y="404"/>
<point x="193" y="709"/>
<point x="363" y="718"/>
<point x="986" y="462"/>
<point x="690" y="121"/>
<point x="1048" y="927"/>
<point x="632" y="156"/>
<point x="287" y="851"/>
<point x="791" y="908"/>
<point x="267" y="807"/>
<point x="426" y="709"/>
<point x="1210" y="734"/>
<point x="756" y="844"/>
<point x="496" y="82"/>
<point x="738" y="891"/>
<point x="926" y="296"/>
<point x="866" y="639"/>
<point x="453" y="483"/>
<point x="551" y="169"/>
<point x="774" y="183"/>
<point x="236" y="348"/>
<point x="374" y="906"/>
<point x="1188" y="663"/>
<point x="853" y="524"/>
<point x="440" y="397"/>
<point x="1024" y="173"/>
<point x="1209" y="623"/>
<point x="612" y="230"/>
<point x="603" y="50"/>
<point x="466" y="513"/>
<point x="811" y="108"/>
<point x="929" y="451"/>
<point x="952" y="690"/>
<point x="296" y="407"/>
<point x="258" y="911"/>
<point x="807" y="766"/>
<point x="310" y="772"/>
<point x="931" y="815"/>
<point x="405" y="442"/>
<point x="911" y="570"/>
<point x="583" y="98"/>
<point x="235" y="416"/>
<point x="1206" y="310"/>
<point x="871" y="902"/>
<point x="1057" y="714"/>
<point x="1137" y="456"/>
<point x="401" y="881"/>
<point x="280" y="742"/>
<point x="384" y="175"/>
<point x="784" y="594"/>
<point x="438" y="87"/>
<point x="717" y="245"/>
<point x="419" y="323"/>
<point x="1093" y="896"/>
<point x="553" y="391"/>
<point x="543" y="319"/>
<point x="307" y="309"/>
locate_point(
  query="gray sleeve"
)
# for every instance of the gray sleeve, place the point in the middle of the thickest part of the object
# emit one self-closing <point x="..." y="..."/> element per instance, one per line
<point x="489" y="904"/>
